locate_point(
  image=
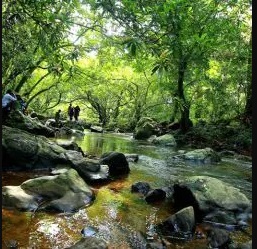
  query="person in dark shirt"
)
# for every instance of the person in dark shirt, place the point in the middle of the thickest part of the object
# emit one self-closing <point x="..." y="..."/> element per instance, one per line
<point x="76" y="112"/>
<point x="70" y="112"/>
<point x="21" y="104"/>
<point x="57" y="118"/>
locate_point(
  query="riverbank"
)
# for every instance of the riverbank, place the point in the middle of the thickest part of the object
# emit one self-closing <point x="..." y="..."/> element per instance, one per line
<point x="235" y="138"/>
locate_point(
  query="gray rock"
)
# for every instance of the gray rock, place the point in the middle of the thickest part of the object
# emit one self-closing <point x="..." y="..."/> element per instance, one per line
<point x="117" y="162"/>
<point x="33" y="125"/>
<point x="65" y="192"/>
<point x="140" y="187"/>
<point x="146" y="127"/>
<point x="218" y="238"/>
<point x="16" y="197"/>
<point x="207" y="194"/>
<point x="180" y="224"/>
<point x="165" y="140"/>
<point x="155" y="195"/>
<point x="27" y="151"/>
<point x="205" y="155"/>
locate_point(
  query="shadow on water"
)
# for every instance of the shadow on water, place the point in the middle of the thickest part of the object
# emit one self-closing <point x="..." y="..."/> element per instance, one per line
<point x="117" y="214"/>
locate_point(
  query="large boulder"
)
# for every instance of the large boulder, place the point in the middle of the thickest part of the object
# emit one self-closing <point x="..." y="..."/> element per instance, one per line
<point x="23" y="150"/>
<point x="117" y="162"/>
<point x="206" y="155"/>
<point x="65" y="192"/>
<point x="145" y="132"/>
<point x="165" y="140"/>
<point x="27" y="151"/>
<point x="33" y="125"/>
<point x="207" y="194"/>
<point x="146" y="127"/>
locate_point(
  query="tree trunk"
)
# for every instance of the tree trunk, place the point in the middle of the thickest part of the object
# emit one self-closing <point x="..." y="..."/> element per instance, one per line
<point x="248" y="106"/>
<point x="185" y="122"/>
<point x="174" y="112"/>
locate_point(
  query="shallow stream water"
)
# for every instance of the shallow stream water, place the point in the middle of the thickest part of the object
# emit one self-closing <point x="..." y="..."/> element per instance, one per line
<point x="117" y="215"/>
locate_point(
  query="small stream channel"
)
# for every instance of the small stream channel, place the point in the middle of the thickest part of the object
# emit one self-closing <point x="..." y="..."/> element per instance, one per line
<point x="117" y="215"/>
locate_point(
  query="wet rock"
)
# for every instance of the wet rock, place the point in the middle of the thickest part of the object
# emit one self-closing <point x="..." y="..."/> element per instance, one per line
<point x="218" y="238"/>
<point x="132" y="157"/>
<point x="66" y="192"/>
<point x="205" y="155"/>
<point x="181" y="224"/>
<point x="89" y="169"/>
<point x="63" y="131"/>
<point x="140" y="187"/>
<point x="146" y="127"/>
<point x="78" y="133"/>
<point x="71" y="146"/>
<point x="20" y="121"/>
<point x="97" y="129"/>
<point x="156" y="245"/>
<point x="16" y="197"/>
<point x="208" y="194"/>
<point x="117" y="162"/>
<point x="51" y="123"/>
<point x="155" y="195"/>
<point x="227" y="153"/>
<point x="166" y="140"/>
<point x="25" y="150"/>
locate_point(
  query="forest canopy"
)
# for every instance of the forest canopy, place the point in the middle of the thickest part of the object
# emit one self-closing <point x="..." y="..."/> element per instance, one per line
<point x="171" y="60"/>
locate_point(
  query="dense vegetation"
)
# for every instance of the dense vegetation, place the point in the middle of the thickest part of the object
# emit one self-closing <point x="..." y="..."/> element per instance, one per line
<point x="171" y="60"/>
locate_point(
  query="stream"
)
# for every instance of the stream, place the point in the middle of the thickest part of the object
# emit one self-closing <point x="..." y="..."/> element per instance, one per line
<point x="117" y="215"/>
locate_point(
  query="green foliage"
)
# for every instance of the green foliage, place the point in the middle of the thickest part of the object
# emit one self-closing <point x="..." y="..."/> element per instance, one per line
<point x="183" y="37"/>
<point x="124" y="60"/>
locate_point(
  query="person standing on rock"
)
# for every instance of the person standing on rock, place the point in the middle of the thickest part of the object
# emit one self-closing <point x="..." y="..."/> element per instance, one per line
<point x="76" y="112"/>
<point x="58" y="117"/>
<point x="70" y="112"/>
